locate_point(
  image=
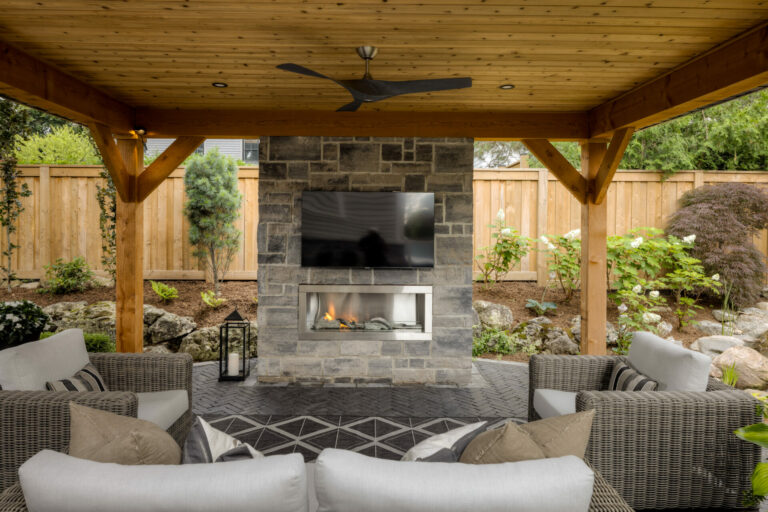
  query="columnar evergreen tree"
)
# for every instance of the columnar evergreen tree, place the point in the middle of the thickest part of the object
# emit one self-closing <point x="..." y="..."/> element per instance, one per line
<point x="212" y="207"/>
<point x="14" y="128"/>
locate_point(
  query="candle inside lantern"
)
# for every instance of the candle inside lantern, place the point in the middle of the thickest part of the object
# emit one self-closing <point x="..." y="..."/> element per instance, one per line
<point x="233" y="364"/>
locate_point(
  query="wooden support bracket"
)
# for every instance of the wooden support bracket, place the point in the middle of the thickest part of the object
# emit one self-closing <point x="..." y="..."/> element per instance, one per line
<point x="598" y="187"/>
<point x="559" y="166"/>
<point x="165" y="164"/>
<point x="113" y="161"/>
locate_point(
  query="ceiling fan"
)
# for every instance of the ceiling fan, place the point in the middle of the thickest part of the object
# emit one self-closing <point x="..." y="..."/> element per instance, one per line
<point x="366" y="89"/>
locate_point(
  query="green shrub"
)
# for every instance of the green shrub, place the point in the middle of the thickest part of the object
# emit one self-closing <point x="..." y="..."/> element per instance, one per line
<point x="507" y="251"/>
<point x="564" y="259"/>
<point x="94" y="341"/>
<point x="67" y="276"/>
<point x="500" y="342"/>
<point x="20" y="322"/>
<point x="212" y="207"/>
<point x="63" y="146"/>
<point x="164" y="291"/>
<point x="540" y="308"/>
<point x="210" y="299"/>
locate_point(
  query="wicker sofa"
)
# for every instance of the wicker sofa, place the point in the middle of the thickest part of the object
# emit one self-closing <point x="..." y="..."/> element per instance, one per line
<point x="658" y="449"/>
<point x="31" y="421"/>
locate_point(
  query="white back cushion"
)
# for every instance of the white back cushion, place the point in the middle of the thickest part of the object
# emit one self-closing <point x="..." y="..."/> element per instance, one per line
<point x="29" y="366"/>
<point x="55" y="482"/>
<point x="674" y="368"/>
<point x="349" y="482"/>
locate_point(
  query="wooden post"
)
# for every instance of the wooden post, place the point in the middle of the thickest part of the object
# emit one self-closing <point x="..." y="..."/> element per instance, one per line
<point x="594" y="282"/>
<point x="129" y="228"/>
<point x="541" y="225"/>
<point x="44" y="224"/>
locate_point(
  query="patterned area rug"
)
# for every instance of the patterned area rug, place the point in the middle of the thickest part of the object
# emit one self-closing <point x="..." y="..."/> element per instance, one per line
<point x="381" y="437"/>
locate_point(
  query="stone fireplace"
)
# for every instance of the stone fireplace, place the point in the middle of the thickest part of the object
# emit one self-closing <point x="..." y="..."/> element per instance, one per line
<point x="361" y="325"/>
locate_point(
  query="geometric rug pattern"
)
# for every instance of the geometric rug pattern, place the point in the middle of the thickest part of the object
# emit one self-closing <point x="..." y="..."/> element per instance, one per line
<point x="374" y="436"/>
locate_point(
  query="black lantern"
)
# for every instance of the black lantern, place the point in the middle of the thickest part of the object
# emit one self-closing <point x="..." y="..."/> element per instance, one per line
<point x="234" y="347"/>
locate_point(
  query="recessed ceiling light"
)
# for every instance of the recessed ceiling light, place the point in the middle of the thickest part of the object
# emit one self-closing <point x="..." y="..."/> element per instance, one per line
<point x="219" y="84"/>
<point x="506" y="87"/>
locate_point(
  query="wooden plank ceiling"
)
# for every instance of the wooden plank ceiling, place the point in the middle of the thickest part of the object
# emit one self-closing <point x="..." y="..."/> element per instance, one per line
<point x="561" y="55"/>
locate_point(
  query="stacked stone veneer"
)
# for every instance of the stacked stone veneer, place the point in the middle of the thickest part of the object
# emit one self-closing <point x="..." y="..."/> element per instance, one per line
<point x="291" y="165"/>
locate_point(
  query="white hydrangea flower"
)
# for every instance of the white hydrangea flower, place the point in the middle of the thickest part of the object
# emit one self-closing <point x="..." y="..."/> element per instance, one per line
<point x="637" y="288"/>
<point x="552" y="275"/>
<point x="689" y="239"/>
<point x="654" y="294"/>
<point x="637" y="242"/>
<point x="506" y="231"/>
<point x="622" y="308"/>
<point x="544" y="239"/>
<point x="716" y="277"/>
<point x="651" y="318"/>
<point x="551" y="246"/>
<point x="573" y="234"/>
<point x="500" y="215"/>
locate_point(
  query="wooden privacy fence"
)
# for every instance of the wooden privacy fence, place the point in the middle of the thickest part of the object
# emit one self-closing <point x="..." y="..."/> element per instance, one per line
<point x="61" y="220"/>
<point x="536" y="203"/>
<point x="61" y="217"/>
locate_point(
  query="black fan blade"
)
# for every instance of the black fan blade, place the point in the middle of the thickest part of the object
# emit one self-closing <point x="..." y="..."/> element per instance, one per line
<point x="413" y="86"/>
<point x="295" y="68"/>
<point x="350" y="107"/>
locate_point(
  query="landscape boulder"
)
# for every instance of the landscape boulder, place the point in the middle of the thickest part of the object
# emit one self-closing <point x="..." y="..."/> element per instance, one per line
<point x="96" y="317"/>
<point x="611" y="334"/>
<point x="724" y="316"/>
<point x="494" y="316"/>
<point x="762" y="306"/>
<point x="751" y="367"/>
<point x="168" y="327"/>
<point x="664" y="329"/>
<point x="713" y="346"/>
<point x="158" y="349"/>
<point x="753" y="322"/>
<point x="712" y="328"/>
<point x="558" y="342"/>
<point x="152" y="313"/>
<point x="203" y="344"/>
<point x="477" y="327"/>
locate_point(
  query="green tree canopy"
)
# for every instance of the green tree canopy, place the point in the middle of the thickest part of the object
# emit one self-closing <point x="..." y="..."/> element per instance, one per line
<point x="63" y="145"/>
<point x="729" y="136"/>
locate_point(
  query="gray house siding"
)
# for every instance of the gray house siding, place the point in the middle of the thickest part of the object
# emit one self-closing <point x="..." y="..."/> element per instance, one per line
<point x="230" y="147"/>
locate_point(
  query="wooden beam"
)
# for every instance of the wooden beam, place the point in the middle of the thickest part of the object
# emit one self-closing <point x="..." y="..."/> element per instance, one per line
<point x="129" y="280"/>
<point x="165" y="164"/>
<point x="113" y="160"/>
<point x="594" y="245"/>
<point x="250" y="123"/>
<point x="598" y="187"/>
<point x="559" y="166"/>
<point x="31" y="81"/>
<point x="732" y="68"/>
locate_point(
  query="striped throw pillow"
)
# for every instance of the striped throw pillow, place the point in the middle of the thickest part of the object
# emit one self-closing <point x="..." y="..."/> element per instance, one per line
<point x="625" y="378"/>
<point x="87" y="379"/>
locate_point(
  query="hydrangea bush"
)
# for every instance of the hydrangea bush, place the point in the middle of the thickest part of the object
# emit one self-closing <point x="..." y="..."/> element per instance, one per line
<point x="20" y="322"/>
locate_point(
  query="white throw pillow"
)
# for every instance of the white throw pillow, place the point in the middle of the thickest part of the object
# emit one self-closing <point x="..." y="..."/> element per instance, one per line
<point x="207" y="444"/>
<point x="29" y="366"/>
<point x="350" y="482"/>
<point x="674" y="368"/>
<point x="445" y="447"/>
<point x="55" y="482"/>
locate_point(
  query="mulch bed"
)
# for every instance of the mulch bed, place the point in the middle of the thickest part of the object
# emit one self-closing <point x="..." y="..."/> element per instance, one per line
<point x="239" y="294"/>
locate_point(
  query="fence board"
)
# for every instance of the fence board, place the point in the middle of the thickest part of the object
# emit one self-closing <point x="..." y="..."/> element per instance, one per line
<point x="61" y="218"/>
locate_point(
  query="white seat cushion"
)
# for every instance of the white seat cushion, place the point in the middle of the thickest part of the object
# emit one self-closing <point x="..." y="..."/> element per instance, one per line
<point x="350" y="482"/>
<point x="29" y="366"/>
<point x="674" y="368"/>
<point x="163" y="408"/>
<point x="55" y="482"/>
<point x="552" y="402"/>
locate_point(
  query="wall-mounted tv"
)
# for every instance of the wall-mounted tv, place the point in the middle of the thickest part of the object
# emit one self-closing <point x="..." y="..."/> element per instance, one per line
<point x="368" y="229"/>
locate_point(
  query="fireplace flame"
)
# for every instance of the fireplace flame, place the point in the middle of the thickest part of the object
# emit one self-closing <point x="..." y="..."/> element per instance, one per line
<point x="330" y="315"/>
<point x="327" y="316"/>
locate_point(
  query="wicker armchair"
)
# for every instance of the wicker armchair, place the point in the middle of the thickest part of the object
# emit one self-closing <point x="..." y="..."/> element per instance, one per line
<point x="659" y="449"/>
<point x="34" y="420"/>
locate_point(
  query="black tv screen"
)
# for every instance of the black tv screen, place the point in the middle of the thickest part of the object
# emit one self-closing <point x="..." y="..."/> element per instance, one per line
<point x="368" y="229"/>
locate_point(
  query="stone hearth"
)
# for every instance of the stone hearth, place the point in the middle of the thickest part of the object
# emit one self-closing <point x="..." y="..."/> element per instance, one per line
<point x="292" y="165"/>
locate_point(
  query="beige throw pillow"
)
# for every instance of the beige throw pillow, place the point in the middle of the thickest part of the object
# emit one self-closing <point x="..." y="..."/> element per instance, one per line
<point x="107" y="437"/>
<point x="551" y="437"/>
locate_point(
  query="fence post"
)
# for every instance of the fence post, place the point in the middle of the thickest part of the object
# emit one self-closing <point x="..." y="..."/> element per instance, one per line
<point x="541" y="224"/>
<point x="44" y="216"/>
<point x="698" y="179"/>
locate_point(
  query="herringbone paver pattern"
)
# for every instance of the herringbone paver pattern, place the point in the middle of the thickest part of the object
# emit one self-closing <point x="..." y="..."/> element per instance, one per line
<point x="503" y="393"/>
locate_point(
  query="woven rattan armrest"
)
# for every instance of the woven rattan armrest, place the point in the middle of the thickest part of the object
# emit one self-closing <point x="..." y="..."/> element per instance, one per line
<point x="143" y="373"/>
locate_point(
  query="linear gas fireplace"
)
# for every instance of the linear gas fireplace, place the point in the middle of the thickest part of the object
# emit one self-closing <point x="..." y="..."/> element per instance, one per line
<point x="365" y="312"/>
